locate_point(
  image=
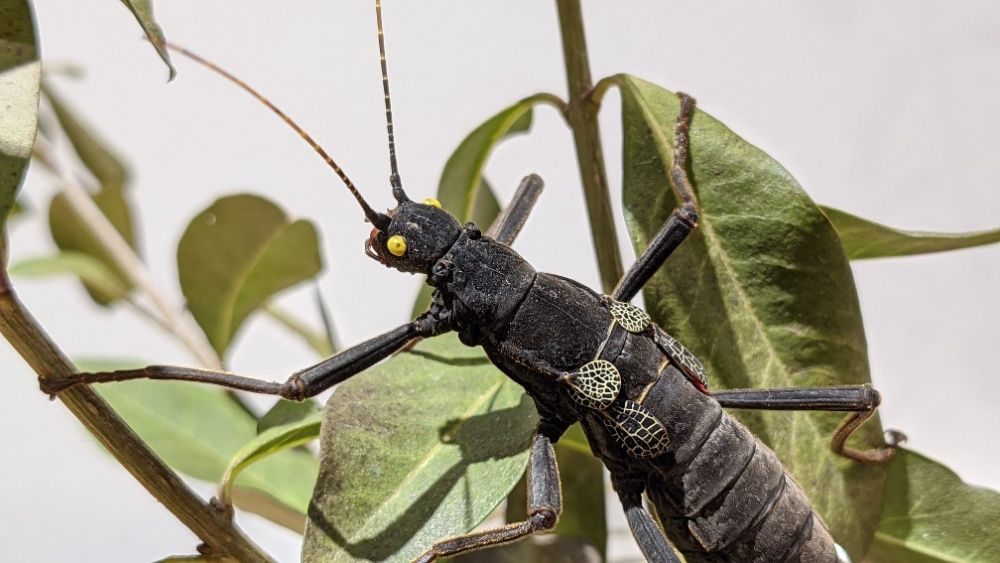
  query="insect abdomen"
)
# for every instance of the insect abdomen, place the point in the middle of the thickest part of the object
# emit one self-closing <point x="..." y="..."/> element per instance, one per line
<point x="726" y="496"/>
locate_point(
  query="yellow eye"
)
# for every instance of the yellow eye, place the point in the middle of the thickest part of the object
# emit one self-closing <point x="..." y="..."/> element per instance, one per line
<point x="432" y="202"/>
<point x="396" y="245"/>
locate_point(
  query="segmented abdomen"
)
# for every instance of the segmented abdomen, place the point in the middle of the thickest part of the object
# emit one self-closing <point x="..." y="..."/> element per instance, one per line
<point x="723" y="495"/>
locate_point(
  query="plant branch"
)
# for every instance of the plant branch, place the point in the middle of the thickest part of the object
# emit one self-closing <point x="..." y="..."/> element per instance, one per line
<point x="213" y="527"/>
<point x="582" y="117"/>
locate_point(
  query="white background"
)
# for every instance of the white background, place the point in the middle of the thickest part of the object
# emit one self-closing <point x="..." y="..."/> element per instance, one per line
<point x="887" y="110"/>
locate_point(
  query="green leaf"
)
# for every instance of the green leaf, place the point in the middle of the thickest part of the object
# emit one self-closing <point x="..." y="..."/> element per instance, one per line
<point x="864" y="239"/>
<point x="460" y="188"/>
<point x="761" y="292"/>
<point x="272" y="441"/>
<point x="68" y="231"/>
<point x="143" y="12"/>
<point x="930" y="515"/>
<point x="102" y="281"/>
<point x="416" y="449"/>
<point x="71" y="234"/>
<point x="286" y="412"/>
<point x="197" y="429"/>
<point x="582" y="477"/>
<point x="545" y="549"/>
<point x="235" y="256"/>
<point x="106" y="166"/>
<point x="20" y="81"/>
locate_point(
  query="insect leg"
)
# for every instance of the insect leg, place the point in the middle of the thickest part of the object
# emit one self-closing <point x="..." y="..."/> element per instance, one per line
<point x="509" y="223"/>
<point x="858" y="400"/>
<point x="302" y="384"/>
<point x="681" y="222"/>
<point x="544" y="506"/>
<point x="648" y="535"/>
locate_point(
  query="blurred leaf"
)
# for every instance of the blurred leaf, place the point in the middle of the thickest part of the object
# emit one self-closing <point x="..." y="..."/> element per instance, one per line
<point x="197" y="429"/>
<point x="20" y="81"/>
<point x="235" y="256"/>
<point x="286" y="412"/>
<point x="761" y="292"/>
<point x="68" y="231"/>
<point x="319" y="342"/>
<point x="100" y="160"/>
<point x="143" y="12"/>
<point x="864" y="239"/>
<point x="71" y="235"/>
<point x="930" y="515"/>
<point x="17" y="210"/>
<point x="102" y="281"/>
<point x="272" y="441"/>
<point x="324" y="314"/>
<point x="583" y="517"/>
<point x="418" y="448"/>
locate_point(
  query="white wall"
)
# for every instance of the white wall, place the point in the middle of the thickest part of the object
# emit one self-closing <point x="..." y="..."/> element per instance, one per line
<point x="888" y="110"/>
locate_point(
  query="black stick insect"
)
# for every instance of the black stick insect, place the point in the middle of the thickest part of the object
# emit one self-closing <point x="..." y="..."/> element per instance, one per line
<point x="641" y="397"/>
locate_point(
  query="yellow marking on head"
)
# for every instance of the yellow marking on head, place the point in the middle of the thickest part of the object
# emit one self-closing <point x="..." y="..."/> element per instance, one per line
<point x="432" y="202"/>
<point x="396" y="245"/>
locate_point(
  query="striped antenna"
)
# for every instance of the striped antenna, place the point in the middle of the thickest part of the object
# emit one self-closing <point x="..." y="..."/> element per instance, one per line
<point x="394" y="180"/>
<point x="379" y="220"/>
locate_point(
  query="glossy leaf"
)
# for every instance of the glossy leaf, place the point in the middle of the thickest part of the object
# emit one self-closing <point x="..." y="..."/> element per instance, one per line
<point x="68" y="231"/>
<point x="864" y="239"/>
<point x="930" y="515"/>
<point x="20" y="82"/>
<point x="272" y="441"/>
<point x="198" y="429"/>
<point x="235" y="256"/>
<point x="761" y="292"/>
<point x="143" y="12"/>
<point x="102" y="281"/>
<point x="418" y="448"/>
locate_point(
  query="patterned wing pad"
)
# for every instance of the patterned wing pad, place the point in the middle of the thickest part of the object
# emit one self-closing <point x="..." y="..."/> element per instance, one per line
<point x="595" y="385"/>
<point x="630" y="317"/>
<point x="683" y="357"/>
<point x="638" y="431"/>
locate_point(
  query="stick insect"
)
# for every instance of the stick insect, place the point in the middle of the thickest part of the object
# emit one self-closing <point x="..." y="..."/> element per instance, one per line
<point x="641" y="397"/>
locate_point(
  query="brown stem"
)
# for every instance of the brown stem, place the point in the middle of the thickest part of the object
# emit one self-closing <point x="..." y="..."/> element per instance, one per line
<point x="214" y="528"/>
<point x="582" y="117"/>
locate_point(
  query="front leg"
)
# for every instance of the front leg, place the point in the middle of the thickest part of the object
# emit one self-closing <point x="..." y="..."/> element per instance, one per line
<point x="301" y="385"/>
<point x="544" y="507"/>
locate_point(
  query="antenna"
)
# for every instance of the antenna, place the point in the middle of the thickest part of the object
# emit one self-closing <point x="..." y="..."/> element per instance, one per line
<point x="379" y="220"/>
<point x="394" y="180"/>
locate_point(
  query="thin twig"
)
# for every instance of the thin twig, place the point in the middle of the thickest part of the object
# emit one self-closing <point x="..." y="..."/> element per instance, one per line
<point x="582" y="117"/>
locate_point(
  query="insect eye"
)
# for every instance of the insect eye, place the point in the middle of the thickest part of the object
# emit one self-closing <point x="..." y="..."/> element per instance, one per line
<point x="396" y="245"/>
<point x="432" y="202"/>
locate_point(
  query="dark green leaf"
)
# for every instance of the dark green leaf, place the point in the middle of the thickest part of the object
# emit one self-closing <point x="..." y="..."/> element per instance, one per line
<point x="583" y="517"/>
<point x="416" y="449"/>
<point x="198" y="429"/>
<point x="930" y="515"/>
<point x="761" y="292"/>
<point x="143" y="12"/>
<point x="535" y="549"/>
<point x="864" y="239"/>
<point x="20" y="81"/>
<point x="236" y="255"/>
<point x="102" y="281"/>
<point x="285" y="412"/>
<point x="272" y="441"/>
